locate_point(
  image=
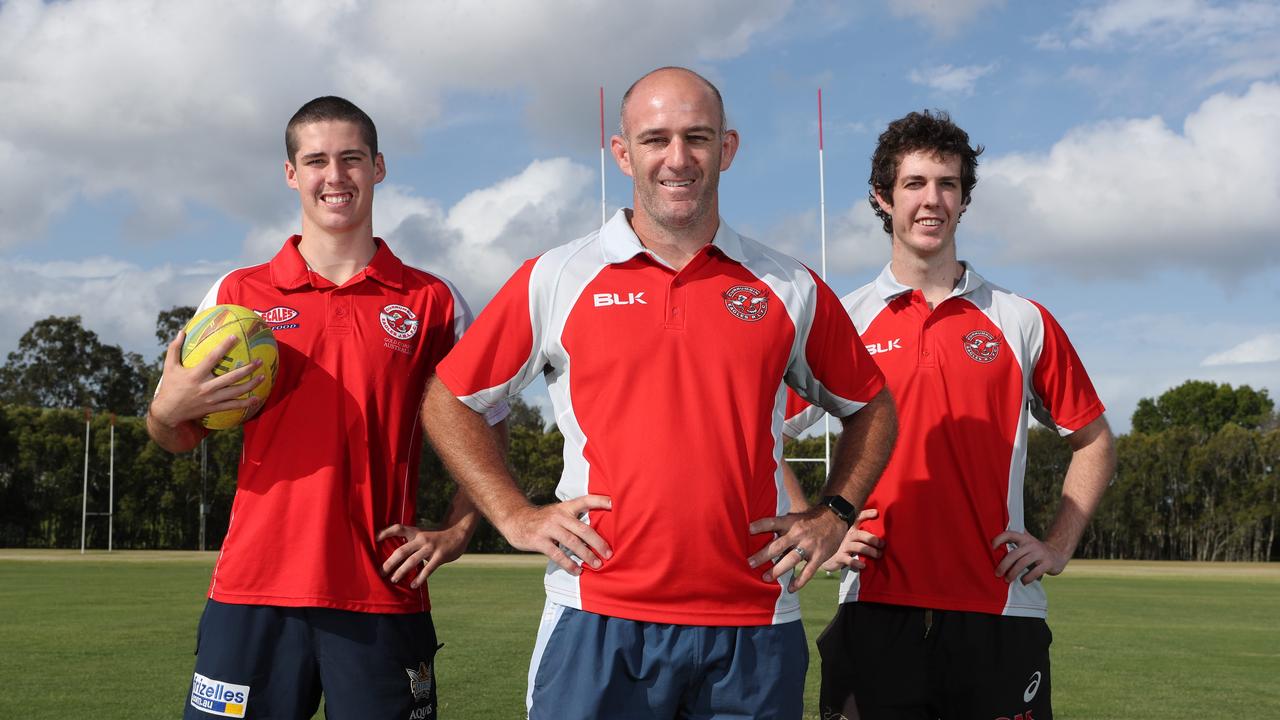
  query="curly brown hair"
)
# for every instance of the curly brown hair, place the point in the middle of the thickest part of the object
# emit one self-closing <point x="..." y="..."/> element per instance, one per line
<point x="920" y="131"/>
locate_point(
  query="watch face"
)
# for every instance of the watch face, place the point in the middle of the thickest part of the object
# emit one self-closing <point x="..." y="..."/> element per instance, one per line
<point x="840" y="506"/>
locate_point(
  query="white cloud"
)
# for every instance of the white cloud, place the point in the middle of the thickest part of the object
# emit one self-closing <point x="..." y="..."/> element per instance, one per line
<point x="1232" y="41"/>
<point x="115" y="299"/>
<point x="1127" y="197"/>
<point x="477" y="244"/>
<point x="1261" y="349"/>
<point x="1168" y="22"/>
<point x="951" y="79"/>
<point x="944" y="17"/>
<point x="857" y="244"/>
<point x="481" y="240"/>
<point x="484" y="237"/>
<point x="167" y="104"/>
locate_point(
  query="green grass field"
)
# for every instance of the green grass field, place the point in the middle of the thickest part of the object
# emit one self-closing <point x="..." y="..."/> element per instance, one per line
<point x="112" y="636"/>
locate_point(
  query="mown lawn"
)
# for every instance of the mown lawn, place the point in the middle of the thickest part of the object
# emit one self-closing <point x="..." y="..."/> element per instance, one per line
<point x="112" y="636"/>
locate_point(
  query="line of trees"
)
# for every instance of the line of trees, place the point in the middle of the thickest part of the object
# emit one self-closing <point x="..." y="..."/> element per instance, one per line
<point x="1198" y="476"/>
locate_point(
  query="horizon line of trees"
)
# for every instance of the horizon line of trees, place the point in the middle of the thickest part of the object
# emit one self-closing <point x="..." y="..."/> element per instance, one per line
<point x="1198" y="475"/>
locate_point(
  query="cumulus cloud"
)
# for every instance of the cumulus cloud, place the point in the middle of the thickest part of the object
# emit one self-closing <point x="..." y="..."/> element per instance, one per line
<point x="944" y="17"/>
<point x="484" y="237"/>
<point x="1126" y="197"/>
<point x="1261" y="349"/>
<point x="856" y="241"/>
<point x="115" y="299"/>
<point x="173" y="103"/>
<point x="951" y="79"/>
<point x="477" y="243"/>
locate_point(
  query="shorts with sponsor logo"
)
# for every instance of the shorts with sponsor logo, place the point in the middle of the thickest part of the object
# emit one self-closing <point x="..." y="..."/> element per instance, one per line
<point x="587" y="666"/>
<point x="260" y="661"/>
<point x="906" y="663"/>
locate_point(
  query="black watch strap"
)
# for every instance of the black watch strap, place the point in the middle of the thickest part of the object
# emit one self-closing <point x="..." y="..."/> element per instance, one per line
<point x="838" y="505"/>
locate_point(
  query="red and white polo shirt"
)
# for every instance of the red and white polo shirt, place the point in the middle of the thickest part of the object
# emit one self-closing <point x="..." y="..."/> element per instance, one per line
<point x="670" y="389"/>
<point x="332" y="457"/>
<point x="964" y="377"/>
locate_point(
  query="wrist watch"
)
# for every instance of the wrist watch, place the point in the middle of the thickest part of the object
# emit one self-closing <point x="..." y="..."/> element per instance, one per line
<point x="841" y="507"/>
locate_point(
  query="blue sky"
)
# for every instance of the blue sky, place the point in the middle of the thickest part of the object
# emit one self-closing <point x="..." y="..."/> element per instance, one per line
<point x="1131" y="179"/>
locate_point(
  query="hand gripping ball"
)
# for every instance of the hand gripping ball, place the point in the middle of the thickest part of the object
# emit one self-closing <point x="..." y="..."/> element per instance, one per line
<point x="206" y="332"/>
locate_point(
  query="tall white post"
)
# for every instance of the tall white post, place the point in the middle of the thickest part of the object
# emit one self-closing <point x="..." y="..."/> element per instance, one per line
<point x="111" y="493"/>
<point x="604" y="217"/>
<point x="822" y="225"/>
<point x="84" y="503"/>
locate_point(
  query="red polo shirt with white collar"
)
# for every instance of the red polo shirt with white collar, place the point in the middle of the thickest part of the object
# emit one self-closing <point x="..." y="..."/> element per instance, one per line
<point x="966" y="377"/>
<point x="332" y="457"/>
<point x="670" y="389"/>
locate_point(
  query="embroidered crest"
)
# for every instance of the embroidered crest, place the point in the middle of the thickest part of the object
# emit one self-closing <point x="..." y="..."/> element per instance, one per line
<point x="746" y="303"/>
<point x="399" y="321"/>
<point x="982" y="346"/>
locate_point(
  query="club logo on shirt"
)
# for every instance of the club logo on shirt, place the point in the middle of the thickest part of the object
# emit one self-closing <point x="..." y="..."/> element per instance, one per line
<point x="420" y="681"/>
<point x="399" y="321"/>
<point x="279" y="317"/>
<point x="217" y="697"/>
<point x="746" y="303"/>
<point x="982" y="346"/>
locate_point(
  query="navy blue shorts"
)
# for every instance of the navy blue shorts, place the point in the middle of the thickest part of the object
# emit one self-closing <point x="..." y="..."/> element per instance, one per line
<point x="587" y="666"/>
<point x="258" y="661"/>
<point x="895" y="662"/>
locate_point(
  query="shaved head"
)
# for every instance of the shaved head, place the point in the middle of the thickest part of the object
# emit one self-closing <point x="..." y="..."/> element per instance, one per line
<point x="662" y="71"/>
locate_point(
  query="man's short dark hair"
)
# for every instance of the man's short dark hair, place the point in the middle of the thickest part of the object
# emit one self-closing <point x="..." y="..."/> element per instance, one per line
<point x="330" y="108"/>
<point x="626" y="96"/>
<point x="930" y="132"/>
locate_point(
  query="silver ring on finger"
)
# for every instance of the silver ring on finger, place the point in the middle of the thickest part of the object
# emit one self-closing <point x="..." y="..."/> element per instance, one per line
<point x="800" y="551"/>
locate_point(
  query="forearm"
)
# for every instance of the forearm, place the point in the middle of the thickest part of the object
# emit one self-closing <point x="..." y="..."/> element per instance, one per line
<point x="795" y="493"/>
<point x="474" y="454"/>
<point x="1093" y="463"/>
<point x="463" y="514"/>
<point x="863" y="450"/>
<point x="179" y="438"/>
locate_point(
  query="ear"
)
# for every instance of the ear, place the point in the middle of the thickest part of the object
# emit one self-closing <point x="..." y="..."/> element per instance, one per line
<point x="885" y="205"/>
<point x="728" y="148"/>
<point x="621" y="154"/>
<point x="379" y="168"/>
<point x="290" y="175"/>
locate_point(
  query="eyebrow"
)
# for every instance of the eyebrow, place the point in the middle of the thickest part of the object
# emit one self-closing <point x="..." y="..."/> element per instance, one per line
<point x="905" y="178"/>
<point x="348" y="151"/>
<point x="696" y="129"/>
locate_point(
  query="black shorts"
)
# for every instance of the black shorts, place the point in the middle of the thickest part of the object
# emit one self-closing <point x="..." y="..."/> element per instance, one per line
<point x="907" y="663"/>
<point x="265" y="661"/>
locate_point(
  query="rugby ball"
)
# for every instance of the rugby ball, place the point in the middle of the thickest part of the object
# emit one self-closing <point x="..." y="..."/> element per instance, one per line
<point x="205" y="334"/>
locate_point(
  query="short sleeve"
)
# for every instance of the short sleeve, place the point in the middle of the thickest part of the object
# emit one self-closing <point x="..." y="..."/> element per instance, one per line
<point x="1064" y="398"/>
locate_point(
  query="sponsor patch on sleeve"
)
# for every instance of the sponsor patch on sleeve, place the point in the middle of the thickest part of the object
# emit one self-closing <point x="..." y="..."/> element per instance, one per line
<point x="217" y="697"/>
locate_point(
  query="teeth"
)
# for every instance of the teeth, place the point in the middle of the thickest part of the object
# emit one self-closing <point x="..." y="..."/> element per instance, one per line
<point x="677" y="183"/>
<point x="930" y="222"/>
<point x="335" y="199"/>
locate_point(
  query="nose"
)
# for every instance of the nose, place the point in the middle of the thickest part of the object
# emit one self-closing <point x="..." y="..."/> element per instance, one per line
<point x="678" y="154"/>
<point x="932" y="195"/>
<point x="333" y="172"/>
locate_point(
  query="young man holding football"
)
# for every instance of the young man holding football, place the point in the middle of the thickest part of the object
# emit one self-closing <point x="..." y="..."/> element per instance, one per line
<point x="320" y="586"/>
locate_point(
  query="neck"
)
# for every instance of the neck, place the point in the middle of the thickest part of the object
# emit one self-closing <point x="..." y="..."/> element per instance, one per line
<point x="933" y="275"/>
<point x="337" y="257"/>
<point x="676" y="246"/>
